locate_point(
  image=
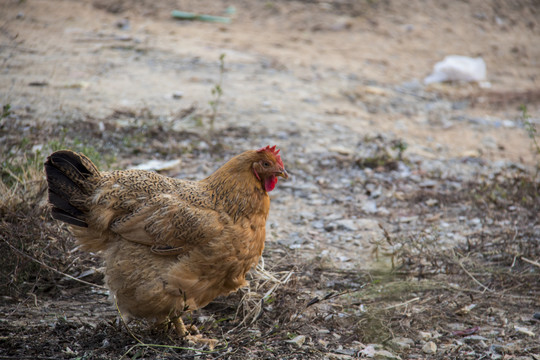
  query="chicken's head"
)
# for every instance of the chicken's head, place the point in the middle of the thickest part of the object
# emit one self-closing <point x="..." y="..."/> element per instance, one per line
<point x="268" y="167"/>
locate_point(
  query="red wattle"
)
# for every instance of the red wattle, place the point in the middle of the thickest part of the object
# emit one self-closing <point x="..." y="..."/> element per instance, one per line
<point x="270" y="183"/>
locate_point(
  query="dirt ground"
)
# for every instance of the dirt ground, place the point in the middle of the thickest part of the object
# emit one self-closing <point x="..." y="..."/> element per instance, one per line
<point x="410" y="227"/>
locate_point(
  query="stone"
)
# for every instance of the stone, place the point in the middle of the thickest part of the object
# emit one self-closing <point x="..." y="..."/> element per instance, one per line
<point x="375" y="351"/>
<point x="369" y="207"/>
<point x="401" y="343"/>
<point x="385" y="355"/>
<point x="298" y="340"/>
<point x="347" y="224"/>
<point x="429" y="348"/>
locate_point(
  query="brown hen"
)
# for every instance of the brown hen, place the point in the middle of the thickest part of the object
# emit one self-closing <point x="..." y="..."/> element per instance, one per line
<point x="169" y="245"/>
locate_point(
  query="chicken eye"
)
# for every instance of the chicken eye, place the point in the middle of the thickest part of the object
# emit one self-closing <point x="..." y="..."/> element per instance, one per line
<point x="266" y="164"/>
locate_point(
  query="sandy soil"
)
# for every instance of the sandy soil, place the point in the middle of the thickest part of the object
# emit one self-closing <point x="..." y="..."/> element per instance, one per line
<point x="339" y="63"/>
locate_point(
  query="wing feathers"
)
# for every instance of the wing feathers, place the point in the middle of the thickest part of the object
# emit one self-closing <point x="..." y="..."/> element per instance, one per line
<point x="168" y="224"/>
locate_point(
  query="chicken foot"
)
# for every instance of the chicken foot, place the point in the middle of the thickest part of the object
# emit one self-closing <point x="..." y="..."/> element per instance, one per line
<point x="196" y="338"/>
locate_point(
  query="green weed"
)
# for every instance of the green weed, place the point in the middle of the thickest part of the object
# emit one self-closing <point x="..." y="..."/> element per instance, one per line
<point x="530" y="128"/>
<point x="217" y="92"/>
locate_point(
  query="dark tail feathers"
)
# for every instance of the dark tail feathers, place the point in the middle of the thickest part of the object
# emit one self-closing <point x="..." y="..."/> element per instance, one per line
<point x="69" y="178"/>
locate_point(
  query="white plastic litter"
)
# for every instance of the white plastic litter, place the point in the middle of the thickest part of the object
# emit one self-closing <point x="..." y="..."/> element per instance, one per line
<point x="458" y="68"/>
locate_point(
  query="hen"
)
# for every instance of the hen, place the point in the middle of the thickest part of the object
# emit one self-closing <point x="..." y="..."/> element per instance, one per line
<point x="169" y="245"/>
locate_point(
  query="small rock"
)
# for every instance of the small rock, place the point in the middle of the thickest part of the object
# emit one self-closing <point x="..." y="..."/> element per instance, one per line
<point x="474" y="339"/>
<point x="431" y="202"/>
<point x="466" y="309"/>
<point x="401" y="343"/>
<point x="368" y="224"/>
<point x="123" y="37"/>
<point x="424" y="335"/>
<point x="374" y="351"/>
<point x="385" y="355"/>
<point x="308" y="215"/>
<point x="332" y="217"/>
<point x="341" y="150"/>
<point x="429" y="348"/>
<point x="349" y="352"/>
<point x="369" y="207"/>
<point x="408" y="219"/>
<point x="317" y="224"/>
<point x="347" y="224"/>
<point x="330" y="227"/>
<point x="298" y="340"/>
<point x="369" y="351"/>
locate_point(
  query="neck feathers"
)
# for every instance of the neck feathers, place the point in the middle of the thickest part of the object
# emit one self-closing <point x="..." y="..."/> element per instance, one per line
<point x="236" y="189"/>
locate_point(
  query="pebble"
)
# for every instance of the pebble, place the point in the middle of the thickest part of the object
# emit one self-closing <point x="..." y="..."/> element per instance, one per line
<point x="341" y="150"/>
<point x="368" y="224"/>
<point x="298" y="340"/>
<point x="474" y="339"/>
<point x="466" y="309"/>
<point x="401" y="343"/>
<point x="346" y="224"/>
<point x="374" y="351"/>
<point x="317" y="224"/>
<point x="429" y="348"/>
<point x="385" y="355"/>
<point x="369" y="207"/>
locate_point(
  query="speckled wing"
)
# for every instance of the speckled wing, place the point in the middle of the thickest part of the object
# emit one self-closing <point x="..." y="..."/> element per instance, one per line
<point x="169" y="215"/>
<point x="169" y="225"/>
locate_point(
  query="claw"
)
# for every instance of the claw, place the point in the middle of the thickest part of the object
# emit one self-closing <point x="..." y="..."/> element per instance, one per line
<point x="196" y="338"/>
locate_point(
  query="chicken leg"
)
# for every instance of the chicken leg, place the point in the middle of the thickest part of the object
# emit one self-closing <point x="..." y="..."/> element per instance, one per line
<point x="183" y="332"/>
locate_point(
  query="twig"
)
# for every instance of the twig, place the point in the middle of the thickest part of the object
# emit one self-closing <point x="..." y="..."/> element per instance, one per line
<point x="51" y="268"/>
<point x="402" y="304"/>
<point x="447" y="287"/>
<point x="472" y="277"/>
<point x="532" y="262"/>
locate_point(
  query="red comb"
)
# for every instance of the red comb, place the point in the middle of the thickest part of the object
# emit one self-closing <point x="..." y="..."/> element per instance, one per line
<point x="273" y="151"/>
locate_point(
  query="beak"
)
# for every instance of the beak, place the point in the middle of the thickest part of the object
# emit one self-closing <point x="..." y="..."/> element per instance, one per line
<point x="283" y="174"/>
